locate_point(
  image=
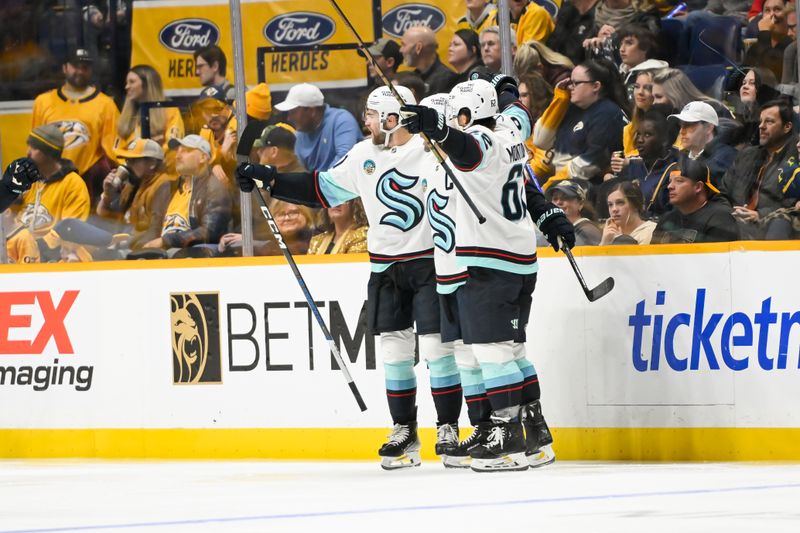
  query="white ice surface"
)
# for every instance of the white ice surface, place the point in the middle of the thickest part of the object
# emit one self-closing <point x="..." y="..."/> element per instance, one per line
<point x="235" y="497"/>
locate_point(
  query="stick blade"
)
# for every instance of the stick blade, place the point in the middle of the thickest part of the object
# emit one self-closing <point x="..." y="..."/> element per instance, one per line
<point x="250" y="133"/>
<point x="601" y="290"/>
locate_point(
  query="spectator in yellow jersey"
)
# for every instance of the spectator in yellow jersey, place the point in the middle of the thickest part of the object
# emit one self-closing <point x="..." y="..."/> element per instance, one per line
<point x="199" y="209"/>
<point x="344" y="230"/>
<point x="478" y="15"/>
<point x="136" y="194"/>
<point x="529" y="20"/>
<point x="143" y="84"/>
<point x="61" y="194"/>
<point x="87" y="118"/>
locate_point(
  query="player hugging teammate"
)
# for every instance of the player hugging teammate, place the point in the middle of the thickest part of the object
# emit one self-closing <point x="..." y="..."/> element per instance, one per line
<point x="485" y="272"/>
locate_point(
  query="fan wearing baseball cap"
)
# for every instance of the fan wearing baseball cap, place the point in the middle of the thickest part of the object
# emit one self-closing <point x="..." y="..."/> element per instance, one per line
<point x="137" y="192"/>
<point x="86" y="116"/>
<point x="698" y="123"/>
<point x="698" y="214"/>
<point x="199" y="208"/>
<point x="324" y="133"/>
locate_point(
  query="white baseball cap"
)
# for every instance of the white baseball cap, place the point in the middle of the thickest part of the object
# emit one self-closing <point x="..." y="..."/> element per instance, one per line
<point x="302" y="95"/>
<point x="697" y="112"/>
<point x="192" y="141"/>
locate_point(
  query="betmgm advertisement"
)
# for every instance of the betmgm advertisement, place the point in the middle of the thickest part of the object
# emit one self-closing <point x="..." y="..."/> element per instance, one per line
<point x="687" y="340"/>
<point x="285" y="41"/>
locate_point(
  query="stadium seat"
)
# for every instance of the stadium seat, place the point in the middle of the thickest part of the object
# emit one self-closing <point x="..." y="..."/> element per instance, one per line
<point x="714" y="39"/>
<point x="675" y="40"/>
<point x="710" y="79"/>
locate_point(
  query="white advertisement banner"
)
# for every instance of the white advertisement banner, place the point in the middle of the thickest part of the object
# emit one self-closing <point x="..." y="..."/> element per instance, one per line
<point x="684" y="340"/>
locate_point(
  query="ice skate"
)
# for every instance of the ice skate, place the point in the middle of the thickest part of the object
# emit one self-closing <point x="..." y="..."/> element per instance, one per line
<point x="446" y="441"/>
<point x="538" y="439"/>
<point x="504" y="449"/>
<point x="459" y="457"/>
<point x="402" y="448"/>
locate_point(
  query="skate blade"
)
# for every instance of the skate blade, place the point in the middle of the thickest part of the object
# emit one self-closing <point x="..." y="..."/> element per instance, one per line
<point x="404" y="461"/>
<point x="450" y="461"/>
<point x="542" y="457"/>
<point x="514" y="462"/>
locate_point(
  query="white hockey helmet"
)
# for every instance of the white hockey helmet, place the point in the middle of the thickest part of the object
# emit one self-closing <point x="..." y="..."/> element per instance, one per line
<point x="437" y="101"/>
<point x="383" y="101"/>
<point x="476" y="98"/>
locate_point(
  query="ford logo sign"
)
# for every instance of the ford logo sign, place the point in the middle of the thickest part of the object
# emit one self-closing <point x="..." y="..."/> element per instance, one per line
<point x="299" y="28"/>
<point x="396" y="21"/>
<point x="187" y="35"/>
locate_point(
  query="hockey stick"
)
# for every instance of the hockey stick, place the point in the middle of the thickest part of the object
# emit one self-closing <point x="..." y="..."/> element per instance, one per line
<point x="249" y="135"/>
<point x="388" y="83"/>
<point x="592" y="294"/>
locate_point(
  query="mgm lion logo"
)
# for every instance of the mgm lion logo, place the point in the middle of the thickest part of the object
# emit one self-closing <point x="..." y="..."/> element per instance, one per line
<point x="195" y="338"/>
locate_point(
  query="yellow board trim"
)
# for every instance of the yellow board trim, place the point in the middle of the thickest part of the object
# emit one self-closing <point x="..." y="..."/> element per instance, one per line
<point x="598" y="444"/>
<point x="580" y="251"/>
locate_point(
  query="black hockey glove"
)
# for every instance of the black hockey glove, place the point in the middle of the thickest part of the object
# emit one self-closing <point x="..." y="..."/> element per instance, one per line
<point x="421" y="119"/>
<point x="248" y="173"/>
<point x="554" y="224"/>
<point x="20" y="175"/>
<point x="501" y="82"/>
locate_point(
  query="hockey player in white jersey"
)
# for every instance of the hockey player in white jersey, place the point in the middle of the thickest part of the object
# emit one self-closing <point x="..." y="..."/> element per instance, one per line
<point x="389" y="171"/>
<point x="489" y="155"/>
<point x="441" y="211"/>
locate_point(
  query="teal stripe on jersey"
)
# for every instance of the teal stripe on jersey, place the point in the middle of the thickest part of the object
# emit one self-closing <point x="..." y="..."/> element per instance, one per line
<point x="444" y="372"/>
<point x="497" y="264"/>
<point x="496" y="375"/>
<point x="523" y="118"/>
<point x="526" y="367"/>
<point x="472" y="381"/>
<point x="333" y="193"/>
<point x="400" y="375"/>
<point x="450" y="288"/>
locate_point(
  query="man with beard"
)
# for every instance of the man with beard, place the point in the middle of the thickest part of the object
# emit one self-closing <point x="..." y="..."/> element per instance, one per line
<point x="389" y="171"/>
<point x="86" y="116"/>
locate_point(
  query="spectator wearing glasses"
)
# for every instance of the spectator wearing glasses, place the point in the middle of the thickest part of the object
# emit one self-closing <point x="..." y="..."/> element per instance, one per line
<point x="592" y="127"/>
<point x="211" y="66"/>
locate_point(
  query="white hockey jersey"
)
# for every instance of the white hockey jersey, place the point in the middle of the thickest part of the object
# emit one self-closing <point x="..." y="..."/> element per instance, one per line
<point x="440" y="208"/>
<point x="506" y="241"/>
<point x="392" y="184"/>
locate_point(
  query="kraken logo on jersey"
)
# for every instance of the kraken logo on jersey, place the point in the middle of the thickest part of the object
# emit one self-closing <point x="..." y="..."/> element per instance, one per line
<point x="76" y="133"/>
<point x="444" y="229"/>
<point x="195" y="338"/>
<point x="405" y="209"/>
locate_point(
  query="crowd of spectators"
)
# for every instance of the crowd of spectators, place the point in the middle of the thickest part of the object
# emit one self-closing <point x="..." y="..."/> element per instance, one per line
<point x="636" y="139"/>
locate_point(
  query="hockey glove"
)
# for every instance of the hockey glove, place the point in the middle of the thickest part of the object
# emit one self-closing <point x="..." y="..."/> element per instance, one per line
<point x="421" y="119"/>
<point x="554" y="224"/>
<point x="20" y="175"/>
<point x="248" y="173"/>
<point x="501" y="82"/>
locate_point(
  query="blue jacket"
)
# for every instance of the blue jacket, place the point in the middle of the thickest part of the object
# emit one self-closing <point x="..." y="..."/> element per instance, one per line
<point x="334" y="137"/>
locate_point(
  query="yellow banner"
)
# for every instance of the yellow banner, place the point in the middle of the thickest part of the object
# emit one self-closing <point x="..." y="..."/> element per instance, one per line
<point x="166" y="32"/>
